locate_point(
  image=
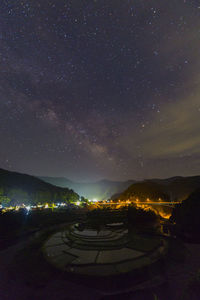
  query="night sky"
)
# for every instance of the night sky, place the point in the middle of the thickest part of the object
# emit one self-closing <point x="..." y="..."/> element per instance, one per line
<point x="100" y="89"/>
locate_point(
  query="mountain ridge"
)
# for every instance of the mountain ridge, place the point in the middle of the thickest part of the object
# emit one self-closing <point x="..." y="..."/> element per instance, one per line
<point x="21" y="188"/>
<point x="175" y="188"/>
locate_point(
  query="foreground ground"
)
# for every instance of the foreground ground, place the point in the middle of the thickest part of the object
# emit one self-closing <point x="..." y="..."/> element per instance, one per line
<point x="20" y="282"/>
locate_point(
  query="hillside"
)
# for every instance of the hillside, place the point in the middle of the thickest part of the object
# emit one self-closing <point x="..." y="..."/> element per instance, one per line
<point x="102" y="189"/>
<point x="174" y="188"/>
<point x="179" y="188"/>
<point x="58" y="181"/>
<point x="17" y="188"/>
<point x="186" y="215"/>
<point x="144" y="190"/>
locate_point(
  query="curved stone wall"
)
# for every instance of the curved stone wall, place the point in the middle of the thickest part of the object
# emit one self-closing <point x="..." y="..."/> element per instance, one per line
<point x="106" y="252"/>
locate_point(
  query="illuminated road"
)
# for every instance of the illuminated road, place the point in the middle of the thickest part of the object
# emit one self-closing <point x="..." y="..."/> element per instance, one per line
<point x="140" y="203"/>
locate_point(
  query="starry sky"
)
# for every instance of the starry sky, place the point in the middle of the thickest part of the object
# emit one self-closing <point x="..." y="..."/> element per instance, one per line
<point x="100" y="89"/>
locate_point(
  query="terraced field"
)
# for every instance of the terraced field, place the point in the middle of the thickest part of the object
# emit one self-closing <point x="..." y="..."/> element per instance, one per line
<point x="108" y="251"/>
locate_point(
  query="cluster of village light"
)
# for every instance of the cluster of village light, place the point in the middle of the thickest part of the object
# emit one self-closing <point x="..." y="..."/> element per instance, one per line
<point x="30" y="207"/>
<point x="42" y="206"/>
<point x="93" y="202"/>
<point x="77" y="203"/>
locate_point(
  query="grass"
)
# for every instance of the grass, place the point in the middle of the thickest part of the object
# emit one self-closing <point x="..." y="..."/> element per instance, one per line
<point x="15" y="226"/>
<point x="31" y="263"/>
<point x="177" y="251"/>
<point x="144" y="244"/>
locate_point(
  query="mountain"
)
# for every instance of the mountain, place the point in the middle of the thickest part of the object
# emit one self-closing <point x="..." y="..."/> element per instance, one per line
<point x="186" y="215"/>
<point x="175" y="188"/>
<point x="102" y="189"/>
<point x="58" y="181"/>
<point x="179" y="188"/>
<point x="144" y="190"/>
<point x="17" y="188"/>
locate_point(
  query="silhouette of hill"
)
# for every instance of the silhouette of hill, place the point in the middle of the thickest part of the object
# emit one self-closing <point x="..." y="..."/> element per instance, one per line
<point x="144" y="190"/>
<point x="58" y="181"/>
<point x="17" y="188"/>
<point x="175" y="188"/>
<point x="179" y="188"/>
<point x="186" y="215"/>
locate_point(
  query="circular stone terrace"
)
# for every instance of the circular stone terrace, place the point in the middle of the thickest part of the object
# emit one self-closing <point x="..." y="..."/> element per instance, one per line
<point x="109" y="251"/>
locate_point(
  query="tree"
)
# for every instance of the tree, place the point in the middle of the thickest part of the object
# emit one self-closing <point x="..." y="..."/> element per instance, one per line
<point x="1" y="191"/>
<point x="138" y="218"/>
<point x="4" y="200"/>
<point x="186" y="214"/>
<point x="18" y="196"/>
<point x="43" y="196"/>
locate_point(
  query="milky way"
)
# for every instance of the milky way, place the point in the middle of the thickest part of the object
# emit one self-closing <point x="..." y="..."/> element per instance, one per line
<point x="100" y="89"/>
